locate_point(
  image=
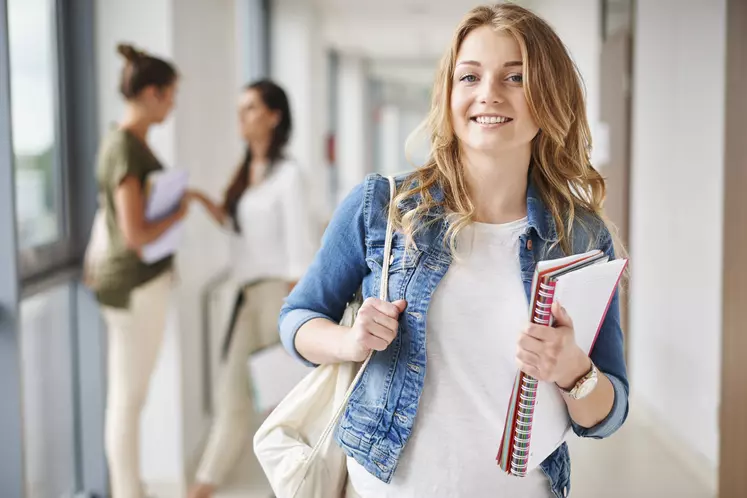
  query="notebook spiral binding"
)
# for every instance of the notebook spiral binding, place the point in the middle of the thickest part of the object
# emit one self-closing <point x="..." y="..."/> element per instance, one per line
<point x="527" y="397"/>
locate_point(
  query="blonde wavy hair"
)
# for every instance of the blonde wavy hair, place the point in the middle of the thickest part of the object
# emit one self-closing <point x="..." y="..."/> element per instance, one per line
<point x="560" y="166"/>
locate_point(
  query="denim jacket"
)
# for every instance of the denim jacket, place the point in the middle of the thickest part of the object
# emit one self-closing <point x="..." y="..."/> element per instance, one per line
<point x="378" y="420"/>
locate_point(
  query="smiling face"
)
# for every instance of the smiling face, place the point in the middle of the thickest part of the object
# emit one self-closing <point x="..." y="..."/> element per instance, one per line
<point x="489" y="110"/>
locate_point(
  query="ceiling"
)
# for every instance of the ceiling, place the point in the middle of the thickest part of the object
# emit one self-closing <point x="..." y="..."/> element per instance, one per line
<point x="453" y="9"/>
<point x="390" y="29"/>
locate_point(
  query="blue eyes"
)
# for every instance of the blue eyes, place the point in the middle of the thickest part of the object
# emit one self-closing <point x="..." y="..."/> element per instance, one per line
<point x="514" y="78"/>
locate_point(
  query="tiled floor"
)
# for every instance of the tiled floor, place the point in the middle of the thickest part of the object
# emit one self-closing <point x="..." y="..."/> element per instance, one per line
<point x="631" y="464"/>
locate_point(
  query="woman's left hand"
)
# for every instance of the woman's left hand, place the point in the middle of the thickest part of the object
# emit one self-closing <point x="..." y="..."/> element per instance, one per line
<point x="551" y="354"/>
<point x="194" y="195"/>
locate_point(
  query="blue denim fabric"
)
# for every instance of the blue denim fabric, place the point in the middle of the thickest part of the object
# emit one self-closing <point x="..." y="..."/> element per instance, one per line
<point x="379" y="418"/>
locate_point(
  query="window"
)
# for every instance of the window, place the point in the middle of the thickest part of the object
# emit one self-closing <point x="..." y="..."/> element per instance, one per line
<point x="41" y="134"/>
<point x="33" y="63"/>
<point x="51" y="350"/>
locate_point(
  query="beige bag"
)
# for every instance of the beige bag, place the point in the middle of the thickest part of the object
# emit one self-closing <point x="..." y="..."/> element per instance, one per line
<point x="293" y="445"/>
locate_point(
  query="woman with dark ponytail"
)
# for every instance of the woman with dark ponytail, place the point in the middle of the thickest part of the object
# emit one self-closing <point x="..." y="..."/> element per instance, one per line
<point x="264" y="206"/>
<point x="133" y="295"/>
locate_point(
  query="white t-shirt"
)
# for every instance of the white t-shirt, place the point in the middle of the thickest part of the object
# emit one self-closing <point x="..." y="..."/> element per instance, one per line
<point x="276" y="239"/>
<point x="474" y="319"/>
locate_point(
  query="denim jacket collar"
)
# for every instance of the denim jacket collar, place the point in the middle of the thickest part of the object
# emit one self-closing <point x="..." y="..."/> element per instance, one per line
<point x="538" y="216"/>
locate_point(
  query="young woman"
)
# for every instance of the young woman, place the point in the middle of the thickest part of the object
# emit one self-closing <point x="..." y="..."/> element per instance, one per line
<point x="508" y="183"/>
<point x="133" y="295"/>
<point x="273" y="244"/>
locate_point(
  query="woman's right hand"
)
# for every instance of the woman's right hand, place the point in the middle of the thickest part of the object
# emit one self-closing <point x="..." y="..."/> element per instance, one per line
<point x="375" y="328"/>
<point x="215" y="211"/>
<point x="184" y="206"/>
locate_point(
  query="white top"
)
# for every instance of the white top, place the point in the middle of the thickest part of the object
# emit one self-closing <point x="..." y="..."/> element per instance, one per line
<point x="276" y="239"/>
<point x="474" y="319"/>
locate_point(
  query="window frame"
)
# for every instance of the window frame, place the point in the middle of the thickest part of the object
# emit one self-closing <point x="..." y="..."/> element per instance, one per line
<point x="11" y="428"/>
<point x="36" y="270"/>
<point x="38" y="262"/>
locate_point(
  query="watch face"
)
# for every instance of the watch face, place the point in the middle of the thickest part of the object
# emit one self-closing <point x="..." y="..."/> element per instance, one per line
<point x="586" y="388"/>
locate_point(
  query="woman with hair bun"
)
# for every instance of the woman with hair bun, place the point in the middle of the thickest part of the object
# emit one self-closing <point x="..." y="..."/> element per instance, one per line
<point x="133" y="295"/>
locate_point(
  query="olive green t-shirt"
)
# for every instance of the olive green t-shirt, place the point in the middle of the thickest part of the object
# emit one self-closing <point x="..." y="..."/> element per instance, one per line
<point x="120" y="269"/>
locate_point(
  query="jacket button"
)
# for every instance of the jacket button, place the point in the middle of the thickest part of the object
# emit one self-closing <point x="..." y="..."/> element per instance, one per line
<point x="529" y="245"/>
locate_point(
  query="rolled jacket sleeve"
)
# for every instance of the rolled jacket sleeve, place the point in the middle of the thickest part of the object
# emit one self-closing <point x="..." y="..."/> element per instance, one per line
<point x="614" y="419"/>
<point x="608" y="355"/>
<point x="334" y="275"/>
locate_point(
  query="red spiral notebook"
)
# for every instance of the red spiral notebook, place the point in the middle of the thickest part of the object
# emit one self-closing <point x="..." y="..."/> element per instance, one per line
<point x="537" y="420"/>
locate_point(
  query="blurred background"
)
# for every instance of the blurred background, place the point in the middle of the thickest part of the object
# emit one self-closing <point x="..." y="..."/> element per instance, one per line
<point x="667" y="104"/>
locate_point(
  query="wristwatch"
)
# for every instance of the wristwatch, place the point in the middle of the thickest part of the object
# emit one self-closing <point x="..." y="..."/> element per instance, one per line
<point x="585" y="385"/>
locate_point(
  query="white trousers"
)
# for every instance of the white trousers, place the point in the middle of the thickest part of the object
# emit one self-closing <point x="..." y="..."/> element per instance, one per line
<point x="256" y="327"/>
<point x="135" y="335"/>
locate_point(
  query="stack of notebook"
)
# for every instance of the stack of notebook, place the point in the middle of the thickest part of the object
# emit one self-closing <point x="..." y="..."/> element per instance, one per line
<point x="537" y="420"/>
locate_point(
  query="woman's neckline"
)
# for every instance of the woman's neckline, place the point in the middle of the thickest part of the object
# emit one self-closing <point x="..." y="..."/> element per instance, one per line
<point x="501" y="226"/>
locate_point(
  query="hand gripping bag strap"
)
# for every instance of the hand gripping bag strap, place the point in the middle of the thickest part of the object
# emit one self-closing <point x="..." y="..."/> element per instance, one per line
<point x="383" y="296"/>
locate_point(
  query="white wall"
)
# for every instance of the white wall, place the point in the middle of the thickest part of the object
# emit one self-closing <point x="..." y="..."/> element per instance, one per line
<point x="399" y="29"/>
<point x="352" y="123"/>
<point x="124" y="22"/>
<point x="676" y="216"/>
<point x="388" y="36"/>
<point x="201" y="136"/>
<point x="577" y="22"/>
<point x="299" y="65"/>
<point x="208" y="145"/>
<point x="390" y="144"/>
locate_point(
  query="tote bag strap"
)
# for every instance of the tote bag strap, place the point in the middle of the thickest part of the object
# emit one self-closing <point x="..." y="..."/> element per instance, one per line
<point x="383" y="295"/>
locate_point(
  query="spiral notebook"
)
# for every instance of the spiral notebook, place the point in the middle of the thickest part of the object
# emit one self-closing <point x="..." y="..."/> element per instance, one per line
<point x="537" y="420"/>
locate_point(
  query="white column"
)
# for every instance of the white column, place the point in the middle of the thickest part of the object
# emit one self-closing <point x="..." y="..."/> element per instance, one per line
<point x="299" y="65"/>
<point x="353" y="161"/>
<point x="208" y="145"/>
